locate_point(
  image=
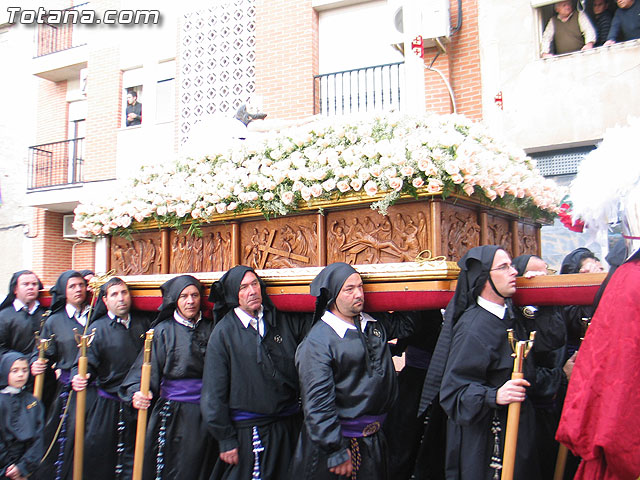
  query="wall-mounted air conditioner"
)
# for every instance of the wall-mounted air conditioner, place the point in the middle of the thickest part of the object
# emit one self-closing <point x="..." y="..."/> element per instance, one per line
<point x="434" y="21"/>
<point x="67" y="227"/>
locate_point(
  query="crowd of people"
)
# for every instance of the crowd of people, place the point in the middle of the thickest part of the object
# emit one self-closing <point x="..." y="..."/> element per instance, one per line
<point x="594" y="25"/>
<point x="249" y="391"/>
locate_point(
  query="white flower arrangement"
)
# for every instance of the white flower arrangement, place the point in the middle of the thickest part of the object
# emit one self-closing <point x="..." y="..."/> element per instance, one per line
<point x="386" y="155"/>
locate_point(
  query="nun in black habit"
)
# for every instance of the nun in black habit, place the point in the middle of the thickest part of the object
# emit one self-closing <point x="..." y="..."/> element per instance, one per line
<point x="111" y="423"/>
<point x="21" y="423"/>
<point x="250" y="389"/>
<point x="62" y="351"/>
<point x="347" y="379"/>
<point x="471" y="362"/>
<point x="177" y="445"/>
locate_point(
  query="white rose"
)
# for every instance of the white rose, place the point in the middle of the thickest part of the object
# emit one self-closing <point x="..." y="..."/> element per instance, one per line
<point x="232" y="206"/>
<point x="356" y="184"/>
<point x="268" y="196"/>
<point x="371" y="188"/>
<point x="417" y="182"/>
<point x="434" y="185"/>
<point x="221" y="207"/>
<point x="407" y="170"/>
<point x="395" y="183"/>
<point x="343" y="186"/>
<point x="287" y="197"/>
<point x="162" y="210"/>
<point x="305" y="192"/>
<point x="316" y="189"/>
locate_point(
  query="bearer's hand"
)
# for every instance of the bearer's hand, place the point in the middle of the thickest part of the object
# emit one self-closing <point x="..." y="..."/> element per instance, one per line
<point x="39" y="366"/>
<point x="14" y="473"/>
<point x="230" y="456"/>
<point x="80" y="383"/>
<point x="568" y="367"/>
<point x="344" y="468"/>
<point x="141" y="402"/>
<point x="512" y="391"/>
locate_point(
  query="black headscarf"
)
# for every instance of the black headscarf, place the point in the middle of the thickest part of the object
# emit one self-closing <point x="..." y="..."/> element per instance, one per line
<point x="521" y="262"/>
<point x="571" y="263"/>
<point x="171" y="290"/>
<point x="224" y="292"/>
<point x="5" y="366"/>
<point x="475" y="268"/>
<point x="84" y="273"/>
<point x="327" y="285"/>
<point x="59" y="290"/>
<point x="13" y="283"/>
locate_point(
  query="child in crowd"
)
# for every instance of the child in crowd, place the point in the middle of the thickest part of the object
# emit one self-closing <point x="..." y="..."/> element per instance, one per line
<point x="21" y="420"/>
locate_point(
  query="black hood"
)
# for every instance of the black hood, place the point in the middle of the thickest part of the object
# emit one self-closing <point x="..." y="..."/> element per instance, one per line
<point x="521" y="262"/>
<point x="327" y="285"/>
<point x="5" y="365"/>
<point x="224" y="292"/>
<point x="171" y="290"/>
<point x="571" y="263"/>
<point x="59" y="290"/>
<point x="13" y="283"/>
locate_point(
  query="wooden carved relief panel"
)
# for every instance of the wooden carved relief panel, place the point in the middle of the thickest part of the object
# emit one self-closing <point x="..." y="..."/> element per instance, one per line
<point x="139" y="256"/>
<point x="460" y="231"/>
<point x="499" y="233"/>
<point x="364" y="236"/>
<point x="280" y="243"/>
<point x="528" y="239"/>
<point x="209" y="253"/>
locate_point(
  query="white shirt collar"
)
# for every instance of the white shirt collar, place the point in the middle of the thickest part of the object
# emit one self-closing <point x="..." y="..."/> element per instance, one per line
<point x="340" y="326"/>
<point x="82" y="317"/>
<point x="491" y="307"/>
<point x="11" y="390"/>
<point x="122" y="320"/>
<point x="18" y="305"/>
<point x="245" y="318"/>
<point x="187" y="323"/>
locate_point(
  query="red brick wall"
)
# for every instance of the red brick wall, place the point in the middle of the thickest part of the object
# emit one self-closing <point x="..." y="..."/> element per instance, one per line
<point x="104" y="97"/>
<point x="53" y="116"/>
<point x="286" y="56"/>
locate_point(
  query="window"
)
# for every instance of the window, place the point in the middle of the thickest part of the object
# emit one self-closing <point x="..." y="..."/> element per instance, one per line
<point x="165" y="100"/>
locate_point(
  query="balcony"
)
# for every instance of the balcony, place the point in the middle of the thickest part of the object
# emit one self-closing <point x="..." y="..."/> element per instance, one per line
<point x="368" y="89"/>
<point x="55" y="164"/>
<point x="61" y="48"/>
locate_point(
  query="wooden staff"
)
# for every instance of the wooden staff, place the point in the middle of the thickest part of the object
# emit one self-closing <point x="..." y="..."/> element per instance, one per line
<point x="141" y="430"/>
<point x="563" y="451"/>
<point x="83" y="341"/>
<point x="41" y="344"/>
<point x="520" y="351"/>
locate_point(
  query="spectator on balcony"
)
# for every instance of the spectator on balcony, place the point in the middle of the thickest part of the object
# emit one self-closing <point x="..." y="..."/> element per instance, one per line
<point x="601" y="18"/>
<point x="134" y="109"/>
<point x="569" y="31"/>
<point x="626" y="22"/>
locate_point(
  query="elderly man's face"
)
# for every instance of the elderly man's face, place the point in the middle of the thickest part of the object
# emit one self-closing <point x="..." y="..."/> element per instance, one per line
<point x="350" y="300"/>
<point x="564" y="9"/>
<point x="118" y="300"/>
<point x="250" y="294"/>
<point x="189" y="302"/>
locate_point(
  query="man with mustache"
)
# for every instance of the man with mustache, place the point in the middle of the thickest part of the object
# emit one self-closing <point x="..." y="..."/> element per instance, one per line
<point x="250" y="386"/>
<point x="111" y="423"/>
<point x="347" y="380"/>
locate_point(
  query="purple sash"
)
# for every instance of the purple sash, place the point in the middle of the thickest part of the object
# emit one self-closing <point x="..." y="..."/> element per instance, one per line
<point x="363" y="426"/>
<point x="241" y="415"/>
<point x="183" y="390"/>
<point x="108" y="396"/>
<point x="65" y="377"/>
<point x="417" y="358"/>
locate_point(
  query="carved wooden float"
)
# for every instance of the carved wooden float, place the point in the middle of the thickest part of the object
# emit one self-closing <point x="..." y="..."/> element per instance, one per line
<point x="324" y="232"/>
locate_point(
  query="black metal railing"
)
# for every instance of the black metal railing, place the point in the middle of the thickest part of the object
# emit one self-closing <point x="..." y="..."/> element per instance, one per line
<point x="357" y="90"/>
<point x="57" y="163"/>
<point x="59" y="31"/>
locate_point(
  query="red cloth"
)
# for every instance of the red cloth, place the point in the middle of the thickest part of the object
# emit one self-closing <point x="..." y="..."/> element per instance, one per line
<point x="601" y="416"/>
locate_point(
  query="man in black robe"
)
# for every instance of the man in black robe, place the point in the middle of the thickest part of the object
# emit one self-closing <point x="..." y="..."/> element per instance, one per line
<point x="177" y="445"/>
<point x="21" y="317"/>
<point x="548" y="355"/>
<point x="471" y="368"/>
<point x="21" y="419"/>
<point x="70" y="312"/>
<point x="250" y="389"/>
<point x="111" y="423"/>
<point x="347" y="379"/>
<point x="21" y="314"/>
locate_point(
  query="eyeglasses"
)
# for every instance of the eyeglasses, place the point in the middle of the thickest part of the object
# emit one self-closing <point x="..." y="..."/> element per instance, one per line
<point x="505" y="267"/>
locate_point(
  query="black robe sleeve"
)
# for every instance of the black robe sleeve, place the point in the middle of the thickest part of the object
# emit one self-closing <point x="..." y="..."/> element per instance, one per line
<point x="319" y="399"/>
<point x="465" y="393"/>
<point x="214" y="402"/>
<point x="31" y="458"/>
<point x="397" y="324"/>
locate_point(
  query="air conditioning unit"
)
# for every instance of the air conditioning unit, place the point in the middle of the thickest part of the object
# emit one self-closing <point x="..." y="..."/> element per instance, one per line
<point x="434" y="21"/>
<point x="67" y="227"/>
